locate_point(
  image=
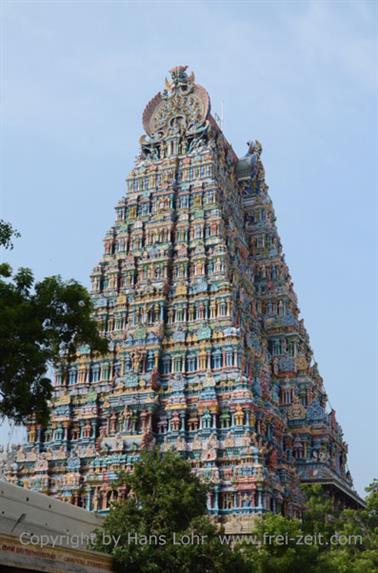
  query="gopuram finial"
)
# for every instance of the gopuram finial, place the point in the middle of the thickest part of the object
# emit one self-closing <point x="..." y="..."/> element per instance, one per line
<point x="176" y="120"/>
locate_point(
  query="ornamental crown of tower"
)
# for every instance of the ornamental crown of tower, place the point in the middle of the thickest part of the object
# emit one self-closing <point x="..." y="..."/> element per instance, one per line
<point x="207" y="353"/>
<point x="180" y="112"/>
<point x="182" y="107"/>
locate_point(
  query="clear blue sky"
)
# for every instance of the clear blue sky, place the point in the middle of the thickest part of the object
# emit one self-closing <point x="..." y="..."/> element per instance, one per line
<point x="298" y="76"/>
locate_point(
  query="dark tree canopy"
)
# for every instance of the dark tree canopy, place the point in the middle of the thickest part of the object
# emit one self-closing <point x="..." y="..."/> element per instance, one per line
<point x="7" y="233"/>
<point x="326" y="540"/>
<point x="166" y="501"/>
<point x="39" y="324"/>
<point x="167" y="505"/>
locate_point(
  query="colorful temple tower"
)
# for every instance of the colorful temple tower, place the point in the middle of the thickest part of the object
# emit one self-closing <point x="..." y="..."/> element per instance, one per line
<point x="208" y="355"/>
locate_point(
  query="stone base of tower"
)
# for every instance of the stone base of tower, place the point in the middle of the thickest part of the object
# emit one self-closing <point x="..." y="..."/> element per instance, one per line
<point x="239" y="524"/>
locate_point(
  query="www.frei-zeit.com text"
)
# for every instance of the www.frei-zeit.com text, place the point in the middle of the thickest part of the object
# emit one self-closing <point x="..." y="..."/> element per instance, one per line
<point x="179" y="538"/>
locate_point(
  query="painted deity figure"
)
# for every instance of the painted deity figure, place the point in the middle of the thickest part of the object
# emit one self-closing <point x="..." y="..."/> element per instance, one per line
<point x="239" y="415"/>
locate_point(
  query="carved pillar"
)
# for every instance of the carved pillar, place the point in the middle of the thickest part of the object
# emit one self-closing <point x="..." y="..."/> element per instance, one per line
<point x="39" y="437"/>
<point x="216" y="499"/>
<point x="88" y="502"/>
<point x="104" y="500"/>
<point x="65" y="430"/>
<point x="113" y="423"/>
<point x="259" y="499"/>
<point x="94" y="428"/>
<point x="143" y="420"/>
<point x="95" y="500"/>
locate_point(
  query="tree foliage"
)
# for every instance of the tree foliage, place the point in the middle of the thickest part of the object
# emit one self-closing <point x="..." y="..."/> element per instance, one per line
<point x="166" y="502"/>
<point x="275" y="547"/>
<point x="326" y="540"/>
<point x="7" y="233"/>
<point x="39" y="324"/>
<point x="162" y="526"/>
<point x="357" y="531"/>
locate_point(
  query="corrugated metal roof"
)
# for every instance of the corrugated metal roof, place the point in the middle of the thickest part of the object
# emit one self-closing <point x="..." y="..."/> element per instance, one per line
<point x="25" y="510"/>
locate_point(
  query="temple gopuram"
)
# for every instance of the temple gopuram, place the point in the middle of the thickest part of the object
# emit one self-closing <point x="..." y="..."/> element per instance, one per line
<point x="208" y="355"/>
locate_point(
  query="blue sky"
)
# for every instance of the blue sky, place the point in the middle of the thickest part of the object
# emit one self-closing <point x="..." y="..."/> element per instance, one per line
<point x="299" y="76"/>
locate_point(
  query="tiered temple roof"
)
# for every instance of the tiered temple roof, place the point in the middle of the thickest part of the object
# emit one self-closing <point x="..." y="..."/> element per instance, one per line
<point x="208" y="354"/>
